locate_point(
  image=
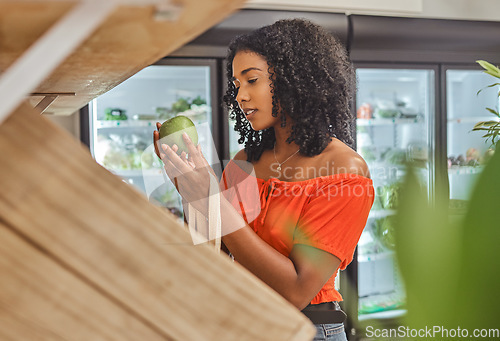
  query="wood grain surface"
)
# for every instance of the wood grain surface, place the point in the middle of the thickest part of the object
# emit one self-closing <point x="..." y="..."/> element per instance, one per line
<point x="100" y="249"/>
<point x="129" y="40"/>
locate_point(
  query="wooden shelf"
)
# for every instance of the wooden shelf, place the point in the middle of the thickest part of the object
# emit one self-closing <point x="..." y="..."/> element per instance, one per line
<point x="364" y="122"/>
<point x="84" y="255"/>
<point x="130" y="39"/>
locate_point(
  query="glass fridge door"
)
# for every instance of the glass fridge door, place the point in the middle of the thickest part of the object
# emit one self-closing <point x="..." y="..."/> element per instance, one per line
<point x="395" y="120"/>
<point x="467" y="150"/>
<point x="123" y="121"/>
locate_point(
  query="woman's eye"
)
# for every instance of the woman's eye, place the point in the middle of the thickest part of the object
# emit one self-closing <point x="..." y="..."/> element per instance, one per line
<point x="252" y="80"/>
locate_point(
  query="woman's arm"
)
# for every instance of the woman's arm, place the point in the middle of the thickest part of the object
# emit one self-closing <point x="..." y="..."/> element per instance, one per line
<point x="298" y="278"/>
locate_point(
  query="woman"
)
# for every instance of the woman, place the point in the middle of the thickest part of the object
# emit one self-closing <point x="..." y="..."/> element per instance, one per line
<point x="289" y="89"/>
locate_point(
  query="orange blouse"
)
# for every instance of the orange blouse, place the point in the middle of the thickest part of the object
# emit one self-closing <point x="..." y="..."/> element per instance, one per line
<point x="327" y="212"/>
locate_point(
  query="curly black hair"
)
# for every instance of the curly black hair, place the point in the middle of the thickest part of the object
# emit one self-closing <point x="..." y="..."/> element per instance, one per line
<point x="313" y="81"/>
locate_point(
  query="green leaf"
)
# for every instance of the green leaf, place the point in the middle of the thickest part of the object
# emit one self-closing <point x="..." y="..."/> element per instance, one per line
<point x="493" y="111"/>
<point x="426" y="250"/>
<point x="490" y="68"/>
<point x="490" y="134"/>
<point x="489" y="86"/>
<point x="491" y="123"/>
<point x="479" y="124"/>
<point x="493" y="73"/>
<point x="480" y="273"/>
<point x="484" y="124"/>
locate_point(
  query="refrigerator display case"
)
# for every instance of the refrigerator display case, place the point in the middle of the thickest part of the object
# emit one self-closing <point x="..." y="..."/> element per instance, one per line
<point x="122" y="122"/>
<point x="467" y="96"/>
<point x="395" y="110"/>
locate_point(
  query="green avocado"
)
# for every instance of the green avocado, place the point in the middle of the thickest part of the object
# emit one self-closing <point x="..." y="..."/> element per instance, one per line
<point x="171" y="132"/>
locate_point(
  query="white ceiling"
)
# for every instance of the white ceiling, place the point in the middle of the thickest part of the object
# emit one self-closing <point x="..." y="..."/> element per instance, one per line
<point x="488" y="10"/>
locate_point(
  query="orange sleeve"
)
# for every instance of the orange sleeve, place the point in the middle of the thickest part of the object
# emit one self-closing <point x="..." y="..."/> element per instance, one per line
<point x="335" y="215"/>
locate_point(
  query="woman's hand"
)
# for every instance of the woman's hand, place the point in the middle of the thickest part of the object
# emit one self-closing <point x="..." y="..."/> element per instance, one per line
<point x="189" y="172"/>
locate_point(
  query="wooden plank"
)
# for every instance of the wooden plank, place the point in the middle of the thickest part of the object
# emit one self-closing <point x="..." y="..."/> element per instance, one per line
<point x="56" y="196"/>
<point x="23" y="23"/>
<point x="52" y="49"/>
<point x="41" y="300"/>
<point x="128" y="41"/>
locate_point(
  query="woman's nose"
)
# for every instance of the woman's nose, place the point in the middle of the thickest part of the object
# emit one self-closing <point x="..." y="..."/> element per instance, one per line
<point x="242" y="95"/>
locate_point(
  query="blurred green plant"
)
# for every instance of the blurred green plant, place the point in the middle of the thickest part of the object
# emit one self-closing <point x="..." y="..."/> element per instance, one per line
<point x="449" y="262"/>
<point x="448" y="252"/>
<point x="492" y="128"/>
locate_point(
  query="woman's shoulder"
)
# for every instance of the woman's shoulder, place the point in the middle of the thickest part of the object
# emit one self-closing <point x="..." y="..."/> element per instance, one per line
<point x="336" y="158"/>
<point x="343" y="159"/>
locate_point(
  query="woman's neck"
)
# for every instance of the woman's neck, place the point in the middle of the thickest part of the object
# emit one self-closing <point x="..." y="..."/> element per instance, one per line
<point x="281" y="147"/>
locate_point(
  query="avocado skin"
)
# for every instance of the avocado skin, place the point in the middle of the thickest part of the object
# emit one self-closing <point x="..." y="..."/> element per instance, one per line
<point x="171" y="132"/>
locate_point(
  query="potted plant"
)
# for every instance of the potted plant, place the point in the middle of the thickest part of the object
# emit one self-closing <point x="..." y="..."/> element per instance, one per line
<point x="492" y="128"/>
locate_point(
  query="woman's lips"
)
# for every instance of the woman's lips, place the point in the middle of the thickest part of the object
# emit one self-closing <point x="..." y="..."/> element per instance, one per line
<point x="250" y="113"/>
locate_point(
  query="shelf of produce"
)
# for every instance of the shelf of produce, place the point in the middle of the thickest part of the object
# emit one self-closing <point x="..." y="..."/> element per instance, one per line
<point x="376" y="256"/>
<point x="388" y="314"/>
<point x="363" y="122"/>
<point x="463" y="170"/>
<point x="376" y="214"/>
<point x="125" y="124"/>
<point x="472" y="119"/>
<point x="131" y="173"/>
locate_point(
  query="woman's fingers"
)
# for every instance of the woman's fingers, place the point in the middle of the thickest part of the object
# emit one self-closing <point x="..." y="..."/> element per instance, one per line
<point x="170" y="169"/>
<point x="190" y="184"/>
<point x="194" y="153"/>
<point x="205" y="162"/>
<point x="175" y="159"/>
<point x="156" y="138"/>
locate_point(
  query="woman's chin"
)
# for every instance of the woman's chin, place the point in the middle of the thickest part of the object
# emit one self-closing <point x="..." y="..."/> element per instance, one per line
<point x="256" y="127"/>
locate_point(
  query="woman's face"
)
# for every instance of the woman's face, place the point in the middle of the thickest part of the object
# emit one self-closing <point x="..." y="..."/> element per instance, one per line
<point x="251" y="78"/>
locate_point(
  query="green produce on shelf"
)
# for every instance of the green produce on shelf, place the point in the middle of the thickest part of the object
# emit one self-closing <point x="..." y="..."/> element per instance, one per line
<point x="115" y="159"/>
<point x="195" y="109"/>
<point x="377" y="203"/>
<point x="383" y="230"/>
<point x="180" y="105"/>
<point x="382" y="303"/>
<point x="395" y="156"/>
<point x="386" y="113"/>
<point x="390" y="196"/>
<point x="114" y="114"/>
<point x="148" y="161"/>
<point x="198" y="101"/>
